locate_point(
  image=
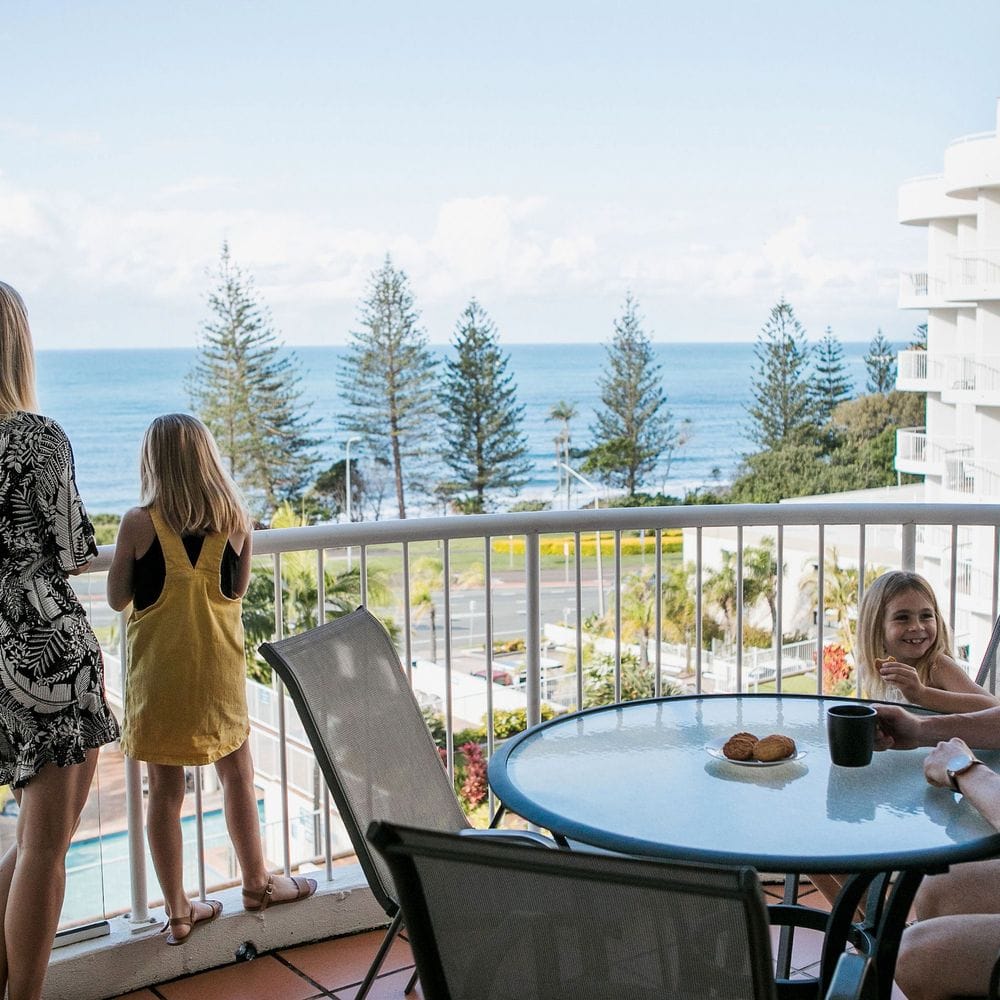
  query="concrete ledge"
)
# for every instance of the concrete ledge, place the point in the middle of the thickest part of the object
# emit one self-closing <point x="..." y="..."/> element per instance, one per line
<point x="127" y="960"/>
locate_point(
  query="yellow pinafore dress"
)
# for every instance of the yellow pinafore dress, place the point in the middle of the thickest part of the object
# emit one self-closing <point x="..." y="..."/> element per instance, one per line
<point x="185" y="692"/>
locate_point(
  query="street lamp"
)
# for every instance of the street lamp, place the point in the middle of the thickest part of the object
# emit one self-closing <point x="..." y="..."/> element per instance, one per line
<point x="347" y="474"/>
<point x="597" y="534"/>
<point x="347" y="468"/>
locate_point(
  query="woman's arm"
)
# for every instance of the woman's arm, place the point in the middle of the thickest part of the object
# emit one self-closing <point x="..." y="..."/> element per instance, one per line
<point x="980" y="785"/>
<point x="243" y="546"/>
<point x="135" y="535"/>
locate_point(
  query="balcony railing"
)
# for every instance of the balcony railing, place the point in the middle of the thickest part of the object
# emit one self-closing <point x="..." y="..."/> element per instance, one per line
<point x="974" y="274"/>
<point x="502" y="579"/>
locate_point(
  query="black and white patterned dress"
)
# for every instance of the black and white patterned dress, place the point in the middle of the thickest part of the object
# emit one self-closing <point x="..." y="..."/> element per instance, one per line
<point x="52" y="704"/>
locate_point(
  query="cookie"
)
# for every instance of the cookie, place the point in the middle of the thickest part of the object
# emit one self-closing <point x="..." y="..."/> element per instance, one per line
<point x="774" y="747"/>
<point x="740" y="746"/>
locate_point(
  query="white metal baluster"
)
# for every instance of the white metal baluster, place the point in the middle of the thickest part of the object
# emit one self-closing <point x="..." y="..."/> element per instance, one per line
<point x="698" y="601"/>
<point x="578" y="569"/>
<point x="407" y="617"/>
<point x="279" y="633"/>
<point x="739" y="607"/>
<point x="618" y="616"/>
<point x="363" y="566"/>
<point x="658" y="598"/>
<point x="909" y="546"/>
<point x="953" y="596"/>
<point x="779" y="606"/>
<point x="862" y="539"/>
<point x="821" y="607"/>
<point x="449" y="725"/>
<point x="533" y="631"/>
<point x="488" y="645"/>
<point x="325" y="793"/>
<point x="199" y="832"/>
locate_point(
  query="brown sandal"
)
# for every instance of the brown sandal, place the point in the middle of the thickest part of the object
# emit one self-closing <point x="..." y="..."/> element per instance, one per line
<point x="176" y="923"/>
<point x="260" y="901"/>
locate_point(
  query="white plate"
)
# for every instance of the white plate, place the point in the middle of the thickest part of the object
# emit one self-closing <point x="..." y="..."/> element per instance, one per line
<point x="714" y="749"/>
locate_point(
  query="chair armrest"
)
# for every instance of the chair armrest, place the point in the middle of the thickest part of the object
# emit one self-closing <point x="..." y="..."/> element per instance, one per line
<point x="526" y="837"/>
<point x="854" y="978"/>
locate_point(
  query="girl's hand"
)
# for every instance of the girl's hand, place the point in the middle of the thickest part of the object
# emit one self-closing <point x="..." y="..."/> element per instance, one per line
<point x="903" y="676"/>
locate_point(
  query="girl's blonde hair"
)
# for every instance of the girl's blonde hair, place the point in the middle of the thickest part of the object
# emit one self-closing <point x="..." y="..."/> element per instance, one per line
<point x="181" y="474"/>
<point x="871" y="630"/>
<point x="17" y="355"/>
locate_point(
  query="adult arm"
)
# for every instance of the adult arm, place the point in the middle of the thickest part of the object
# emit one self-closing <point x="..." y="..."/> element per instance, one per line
<point x="135" y="535"/>
<point x="980" y="785"/>
<point x="899" y="729"/>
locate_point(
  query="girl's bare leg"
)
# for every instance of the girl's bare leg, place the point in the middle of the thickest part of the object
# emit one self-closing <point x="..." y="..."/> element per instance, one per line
<point x="243" y="823"/>
<point x="51" y="804"/>
<point x="7" y="863"/>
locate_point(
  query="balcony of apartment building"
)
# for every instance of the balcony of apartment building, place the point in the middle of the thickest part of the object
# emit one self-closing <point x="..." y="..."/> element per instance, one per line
<point x="921" y="290"/>
<point x="921" y="454"/>
<point x="540" y="588"/>
<point x="973" y="275"/>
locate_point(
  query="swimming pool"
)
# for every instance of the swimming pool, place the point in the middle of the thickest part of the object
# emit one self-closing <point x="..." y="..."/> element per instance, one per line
<point x="97" y="870"/>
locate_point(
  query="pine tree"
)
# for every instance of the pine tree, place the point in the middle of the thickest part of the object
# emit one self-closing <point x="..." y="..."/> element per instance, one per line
<point x="634" y="428"/>
<point x="830" y="382"/>
<point x="486" y="447"/>
<point x="246" y="391"/>
<point x="880" y="363"/>
<point x="919" y="342"/>
<point x="782" y="409"/>
<point x="389" y="380"/>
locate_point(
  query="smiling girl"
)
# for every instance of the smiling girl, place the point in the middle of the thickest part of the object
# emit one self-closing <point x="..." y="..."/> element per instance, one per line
<point x="904" y="649"/>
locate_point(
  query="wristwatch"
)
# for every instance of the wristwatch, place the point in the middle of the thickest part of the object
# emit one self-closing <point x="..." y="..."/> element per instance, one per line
<point x="959" y="764"/>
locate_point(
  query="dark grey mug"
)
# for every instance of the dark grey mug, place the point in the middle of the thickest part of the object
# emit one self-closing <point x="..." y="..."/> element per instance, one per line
<point x="850" y="732"/>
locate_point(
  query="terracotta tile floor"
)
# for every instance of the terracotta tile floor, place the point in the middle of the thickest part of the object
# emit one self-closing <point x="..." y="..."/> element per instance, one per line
<point x="335" y="968"/>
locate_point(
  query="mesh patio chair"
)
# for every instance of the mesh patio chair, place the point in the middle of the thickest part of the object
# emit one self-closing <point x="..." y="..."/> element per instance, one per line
<point x="371" y="743"/>
<point x="495" y="921"/>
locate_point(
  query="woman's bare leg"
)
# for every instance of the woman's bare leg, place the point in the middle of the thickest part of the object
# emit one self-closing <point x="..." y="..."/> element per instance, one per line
<point x="948" y="956"/>
<point x="243" y="823"/>
<point x="51" y="804"/>
<point x="973" y="887"/>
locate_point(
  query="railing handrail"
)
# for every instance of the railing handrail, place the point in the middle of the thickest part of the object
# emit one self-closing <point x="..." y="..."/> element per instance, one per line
<point x="274" y="540"/>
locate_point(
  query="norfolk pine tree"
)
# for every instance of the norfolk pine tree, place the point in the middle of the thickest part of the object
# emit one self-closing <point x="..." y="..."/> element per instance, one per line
<point x="486" y="449"/>
<point x="830" y="383"/>
<point x="248" y="395"/>
<point x="880" y="363"/>
<point x="781" y="412"/>
<point x="633" y="428"/>
<point x="389" y="379"/>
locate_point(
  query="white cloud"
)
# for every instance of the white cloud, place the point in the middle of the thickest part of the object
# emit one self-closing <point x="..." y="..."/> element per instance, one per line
<point x="494" y="247"/>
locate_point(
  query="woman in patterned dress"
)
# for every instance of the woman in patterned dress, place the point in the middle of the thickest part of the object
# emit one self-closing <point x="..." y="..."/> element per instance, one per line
<point x="53" y="714"/>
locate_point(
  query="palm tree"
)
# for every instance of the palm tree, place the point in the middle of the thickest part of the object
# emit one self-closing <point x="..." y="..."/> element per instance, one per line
<point x="565" y="412"/>
<point x="760" y="579"/>
<point x="840" y="594"/>
<point x="427" y="580"/>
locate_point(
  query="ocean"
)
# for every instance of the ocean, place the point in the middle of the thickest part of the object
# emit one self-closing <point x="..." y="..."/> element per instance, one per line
<point x="104" y="399"/>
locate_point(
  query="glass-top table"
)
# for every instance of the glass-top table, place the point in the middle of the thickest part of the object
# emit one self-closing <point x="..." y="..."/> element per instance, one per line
<point x="640" y="778"/>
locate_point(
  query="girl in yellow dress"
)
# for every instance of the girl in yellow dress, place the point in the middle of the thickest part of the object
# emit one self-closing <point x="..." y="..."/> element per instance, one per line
<point x="183" y="561"/>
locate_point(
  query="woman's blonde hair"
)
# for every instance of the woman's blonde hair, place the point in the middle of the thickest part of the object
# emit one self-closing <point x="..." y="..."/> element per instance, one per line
<point x="17" y="355"/>
<point x="871" y="630"/>
<point x="181" y="474"/>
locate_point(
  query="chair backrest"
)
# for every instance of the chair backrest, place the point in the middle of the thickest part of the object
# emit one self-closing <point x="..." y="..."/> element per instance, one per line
<point x="492" y="921"/>
<point x="986" y="677"/>
<point x="368" y="734"/>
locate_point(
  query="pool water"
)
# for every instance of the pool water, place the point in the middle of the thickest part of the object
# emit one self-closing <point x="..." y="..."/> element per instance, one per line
<point x="97" y="870"/>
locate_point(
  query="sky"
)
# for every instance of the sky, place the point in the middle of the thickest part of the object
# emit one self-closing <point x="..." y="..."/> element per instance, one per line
<point x="546" y="158"/>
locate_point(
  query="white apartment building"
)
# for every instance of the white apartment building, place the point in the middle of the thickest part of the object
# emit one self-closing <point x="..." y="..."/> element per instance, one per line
<point x="957" y="451"/>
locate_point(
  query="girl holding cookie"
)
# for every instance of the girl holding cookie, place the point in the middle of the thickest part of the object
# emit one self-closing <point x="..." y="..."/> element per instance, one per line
<point x="904" y="649"/>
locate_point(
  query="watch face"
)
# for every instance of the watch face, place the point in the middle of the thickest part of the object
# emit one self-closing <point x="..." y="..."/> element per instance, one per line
<point x="958" y="764"/>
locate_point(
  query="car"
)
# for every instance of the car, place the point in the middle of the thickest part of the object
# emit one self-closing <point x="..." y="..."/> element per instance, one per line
<point x="500" y="676"/>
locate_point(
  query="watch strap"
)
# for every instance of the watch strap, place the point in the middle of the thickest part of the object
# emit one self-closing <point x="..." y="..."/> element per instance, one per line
<point x="953" y="775"/>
